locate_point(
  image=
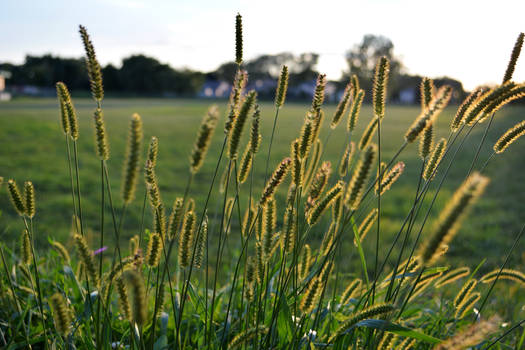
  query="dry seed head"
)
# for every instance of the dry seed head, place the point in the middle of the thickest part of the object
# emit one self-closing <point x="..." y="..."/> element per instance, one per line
<point x="152" y="186"/>
<point x="467" y="288"/>
<point x="65" y="97"/>
<point x="341" y="107"/>
<point x="29" y="197"/>
<point x="276" y="179"/>
<point x="477" y="107"/>
<point x="132" y="159"/>
<point x="190" y="205"/>
<point x="435" y="159"/>
<point x="297" y="166"/>
<point x="507" y="274"/>
<point x="255" y="134"/>
<point x="123" y="299"/>
<point x="328" y="239"/>
<point x="368" y="133"/>
<point x="367" y="223"/>
<point x="25" y="249"/>
<point x="467" y="305"/>
<point x="133" y="245"/>
<point x="246" y="164"/>
<point x="153" y="151"/>
<point x="101" y="141"/>
<point x="312" y="165"/>
<point x="450" y="218"/>
<point x="360" y="177"/>
<point x="473" y="335"/>
<point x="427" y="91"/>
<point x="467" y="103"/>
<point x="203" y="140"/>
<point x="175" y="217"/>
<point x="228" y="209"/>
<point x="269" y="217"/>
<point x="290" y="229"/>
<point x="345" y="161"/>
<point x="139" y="304"/>
<point x="318" y="122"/>
<point x="369" y="312"/>
<point x="306" y="137"/>
<point x="354" y="80"/>
<point x="426" y="142"/>
<point x="305" y="262"/>
<point x="86" y="257"/>
<point x="318" y="96"/>
<point x="61" y="313"/>
<point x="380" y="82"/>
<point x="154" y="250"/>
<point x="311" y="295"/>
<point x="509" y="137"/>
<point x="16" y="198"/>
<point x="239" y="83"/>
<point x="247" y="220"/>
<point x="64" y="116"/>
<point x="186" y="239"/>
<point x="319" y="182"/>
<point x="282" y="87"/>
<point x="200" y="243"/>
<point x="452" y="276"/>
<point x="337" y="208"/>
<point x="61" y="250"/>
<point x="246" y="335"/>
<point x="507" y="97"/>
<point x="240" y="120"/>
<point x="355" y="109"/>
<point x="513" y="58"/>
<point x="93" y="67"/>
<point x="437" y="104"/>
<point x="238" y="39"/>
<point x="331" y="196"/>
<point x="391" y="177"/>
<point x="351" y="291"/>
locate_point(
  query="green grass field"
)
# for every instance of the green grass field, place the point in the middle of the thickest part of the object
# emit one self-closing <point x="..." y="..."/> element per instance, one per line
<point x="33" y="148"/>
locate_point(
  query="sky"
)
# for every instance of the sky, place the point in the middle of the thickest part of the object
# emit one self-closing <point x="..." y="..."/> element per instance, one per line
<point x="467" y="40"/>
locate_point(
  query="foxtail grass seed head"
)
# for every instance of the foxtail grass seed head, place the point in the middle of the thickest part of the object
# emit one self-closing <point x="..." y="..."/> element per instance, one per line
<point x="152" y="186"/>
<point x="238" y="39"/>
<point x="513" y="58"/>
<point x="29" y="198"/>
<point x="452" y="276"/>
<point x="134" y="245"/>
<point x="505" y="274"/>
<point x="463" y="309"/>
<point x="509" y="137"/>
<point x="465" y="105"/>
<point x="154" y="250"/>
<point x="319" y="182"/>
<point x="306" y="138"/>
<point x="290" y="229"/>
<point x="123" y="299"/>
<point x="427" y="141"/>
<point x="352" y="320"/>
<point x="269" y="216"/>
<point x="25" y="249"/>
<point x="337" y="208"/>
<point x="515" y="93"/>
<point x="93" y="67"/>
<point x="318" y="97"/>
<point x="186" y="239"/>
<point x="475" y="111"/>
<point x="61" y="250"/>
<point x="64" y="116"/>
<point x="153" y="150"/>
<point x="297" y="165"/>
<point x="305" y="262"/>
<point x="367" y="224"/>
<point x="176" y="216"/>
<point x="312" y="164"/>
<point x="235" y="136"/>
<point x="246" y="335"/>
<point x="435" y="159"/>
<point x="450" y="218"/>
<point x="282" y="87"/>
<point x="203" y="140"/>
<point x="391" y="176"/>
<point x="200" y="243"/>
<point x="255" y="134"/>
<point x="369" y="132"/>
<point x="355" y="109"/>
<point x="330" y="197"/>
<point x="380" y="82"/>
<point x="190" y="205"/>
<point x="86" y="257"/>
<point x="65" y="97"/>
<point x="132" y="159"/>
<point x="341" y="107"/>
<point x="246" y="165"/>
<point x="239" y="83"/>
<point x="473" y="335"/>
<point x="351" y="291"/>
<point x="276" y="179"/>
<point x="311" y="295"/>
<point x="61" y="313"/>
<point x="354" y="80"/>
<point x="137" y="290"/>
<point x="318" y="122"/>
<point x="360" y="177"/>
<point x="102" y="148"/>
<point x="465" y="291"/>
<point x="427" y="91"/>
<point x="429" y="114"/>
<point x="347" y="157"/>
<point x="227" y="218"/>
<point x="16" y="198"/>
<point x="387" y="341"/>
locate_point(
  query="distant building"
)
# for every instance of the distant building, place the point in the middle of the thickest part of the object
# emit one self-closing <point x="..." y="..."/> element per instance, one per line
<point x="4" y="95"/>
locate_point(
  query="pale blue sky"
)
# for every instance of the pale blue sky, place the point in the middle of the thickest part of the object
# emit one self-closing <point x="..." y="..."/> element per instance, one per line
<point x="467" y="40"/>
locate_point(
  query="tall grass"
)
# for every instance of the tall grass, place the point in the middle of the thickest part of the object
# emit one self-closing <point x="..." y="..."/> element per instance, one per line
<point x="284" y="290"/>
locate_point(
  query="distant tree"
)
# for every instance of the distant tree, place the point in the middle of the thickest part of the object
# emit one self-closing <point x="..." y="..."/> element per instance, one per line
<point x="111" y="77"/>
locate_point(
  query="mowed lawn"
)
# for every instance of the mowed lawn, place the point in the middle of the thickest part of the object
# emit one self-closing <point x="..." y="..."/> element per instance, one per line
<point x="32" y="147"/>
